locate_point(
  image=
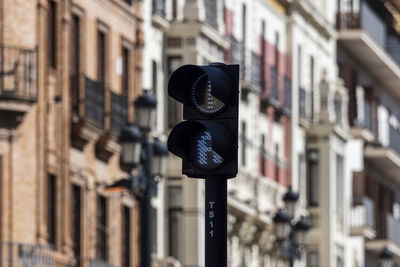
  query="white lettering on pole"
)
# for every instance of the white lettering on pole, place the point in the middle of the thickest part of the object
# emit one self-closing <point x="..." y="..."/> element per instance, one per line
<point x="211" y="215"/>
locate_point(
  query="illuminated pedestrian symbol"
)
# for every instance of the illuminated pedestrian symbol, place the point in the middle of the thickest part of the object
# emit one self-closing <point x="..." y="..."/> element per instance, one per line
<point x="207" y="157"/>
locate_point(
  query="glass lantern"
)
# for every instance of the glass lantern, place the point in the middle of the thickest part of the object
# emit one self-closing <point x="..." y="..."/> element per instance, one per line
<point x="290" y="199"/>
<point x="282" y="225"/>
<point x="145" y="111"/>
<point x="159" y="162"/>
<point x="300" y="232"/>
<point x="130" y="139"/>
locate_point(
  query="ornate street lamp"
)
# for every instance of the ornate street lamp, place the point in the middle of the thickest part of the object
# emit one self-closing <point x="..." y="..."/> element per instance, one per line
<point x="291" y="235"/>
<point x="290" y="199"/>
<point x="150" y="159"/>
<point x="386" y="258"/>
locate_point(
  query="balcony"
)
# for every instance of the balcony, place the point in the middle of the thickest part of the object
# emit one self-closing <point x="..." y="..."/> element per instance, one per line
<point x="115" y="119"/>
<point x="159" y="14"/>
<point x="362" y="126"/>
<point x="274" y="87"/>
<point x="287" y="102"/>
<point x="362" y="220"/>
<point x="211" y="8"/>
<point x="366" y="36"/>
<point x="388" y="236"/>
<point x="118" y="113"/>
<point x="303" y="104"/>
<point x="386" y="157"/>
<point x="18" y="80"/>
<point x="88" y="116"/>
<point x="20" y="254"/>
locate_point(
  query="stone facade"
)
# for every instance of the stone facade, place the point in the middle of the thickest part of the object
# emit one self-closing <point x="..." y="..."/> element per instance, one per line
<point x="59" y="129"/>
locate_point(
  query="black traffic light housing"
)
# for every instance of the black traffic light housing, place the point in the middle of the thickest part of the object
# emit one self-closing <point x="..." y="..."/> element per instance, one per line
<point x="207" y="141"/>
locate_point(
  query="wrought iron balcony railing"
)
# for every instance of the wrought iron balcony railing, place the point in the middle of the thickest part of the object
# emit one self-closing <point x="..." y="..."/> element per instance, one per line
<point x="363" y="215"/>
<point x="394" y="139"/>
<point x="392" y="229"/>
<point x="302" y="103"/>
<point x="211" y="12"/>
<point x="274" y="82"/>
<point x="18" y="73"/>
<point x="20" y="254"/>
<point x="234" y="56"/>
<point x="159" y="8"/>
<point x="118" y="112"/>
<point x="255" y="70"/>
<point x="94" y="102"/>
<point x="88" y="99"/>
<point x="287" y="103"/>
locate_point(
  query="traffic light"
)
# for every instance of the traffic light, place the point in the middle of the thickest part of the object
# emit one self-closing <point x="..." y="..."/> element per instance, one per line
<point x="207" y="141"/>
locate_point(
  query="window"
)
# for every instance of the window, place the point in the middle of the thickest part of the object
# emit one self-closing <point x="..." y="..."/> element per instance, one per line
<point x="101" y="55"/>
<point x="302" y="175"/>
<point x="76" y="221"/>
<point x="174" y="9"/>
<point x="312" y="259"/>
<point x="173" y="106"/>
<point x="312" y="177"/>
<point x="312" y="86"/>
<point x="125" y="237"/>
<point x="277" y="50"/>
<point x="299" y="64"/>
<point x="101" y="228"/>
<point x="243" y="52"/>
<point x="75" y="62"/>
<point x="75" y="44"/>
<point x="263" y="156"/>
<point x="154" y="77"/>
<point x="277" y="162"/>
<point x="154" y="229"/>
<point x="244" y="141"/>
<point x="175" y="223"/>
<point x="263" y="55"/>
<point x="52" y="34"/>
<point x="51" y="208"/>
<point x="339" y="191"/>
<point x="125" y="70"/>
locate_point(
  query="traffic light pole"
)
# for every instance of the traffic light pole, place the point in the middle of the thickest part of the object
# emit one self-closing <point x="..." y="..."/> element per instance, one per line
<point x="216" y="221"/>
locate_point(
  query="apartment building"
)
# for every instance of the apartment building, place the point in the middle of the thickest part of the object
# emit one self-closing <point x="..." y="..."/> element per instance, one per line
<point x="69" y="71"/>
<point x="258" y="42"/>
<point x="368" y="58"/>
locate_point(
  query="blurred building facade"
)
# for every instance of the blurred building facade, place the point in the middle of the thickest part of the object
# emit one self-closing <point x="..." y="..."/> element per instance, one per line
<point x="69" y="71"/>
<point x="319" y="111"/>
<point x="368" y="58"/>
<point x="303" y="83"/>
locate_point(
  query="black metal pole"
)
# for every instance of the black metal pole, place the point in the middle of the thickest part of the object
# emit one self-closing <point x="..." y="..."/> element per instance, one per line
<point x="145" y="207"/>
<point x="216" y="222"/>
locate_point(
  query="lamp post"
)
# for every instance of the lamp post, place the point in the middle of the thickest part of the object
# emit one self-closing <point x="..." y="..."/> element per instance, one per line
<point x="386" y="258"/>
<point x="290" y="234"/>
<point x="149" y="157"/>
